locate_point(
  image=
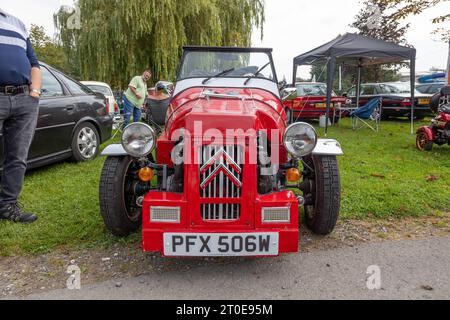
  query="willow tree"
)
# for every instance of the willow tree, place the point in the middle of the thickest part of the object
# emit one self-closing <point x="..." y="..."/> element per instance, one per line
<point x="116" y="39"/>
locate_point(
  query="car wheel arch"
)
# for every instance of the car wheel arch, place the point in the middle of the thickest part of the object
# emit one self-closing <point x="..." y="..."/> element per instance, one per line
<point x="426" y="130"/>
<point x="91" y="121"/>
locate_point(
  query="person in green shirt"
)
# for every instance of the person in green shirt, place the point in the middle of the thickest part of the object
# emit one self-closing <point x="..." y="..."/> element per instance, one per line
<point x="134" y="97"/>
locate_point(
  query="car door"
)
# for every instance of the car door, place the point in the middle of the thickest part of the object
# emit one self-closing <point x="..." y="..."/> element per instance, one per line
<point x="391" y="98"/>
<point x="81" y="98"/>
<point x="54" y="128"/>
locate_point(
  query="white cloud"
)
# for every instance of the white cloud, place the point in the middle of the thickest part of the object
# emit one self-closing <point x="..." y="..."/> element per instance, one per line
<point x="35" y="12"/>
<point x="292" y="27"/>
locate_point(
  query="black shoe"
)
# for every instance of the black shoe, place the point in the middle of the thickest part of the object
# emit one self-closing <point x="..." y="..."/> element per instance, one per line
<point x="14" y="212"/>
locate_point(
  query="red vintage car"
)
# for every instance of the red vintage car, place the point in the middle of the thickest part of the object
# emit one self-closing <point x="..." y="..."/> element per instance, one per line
<point x="224" y="179"/>
<point x="308" y="101"/>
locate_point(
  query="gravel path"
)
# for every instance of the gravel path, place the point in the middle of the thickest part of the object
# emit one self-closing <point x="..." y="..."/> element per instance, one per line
<point x="410" y="269"/>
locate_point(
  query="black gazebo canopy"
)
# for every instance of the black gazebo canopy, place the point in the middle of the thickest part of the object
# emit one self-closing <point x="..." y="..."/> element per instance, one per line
<point x="359" y="51"/>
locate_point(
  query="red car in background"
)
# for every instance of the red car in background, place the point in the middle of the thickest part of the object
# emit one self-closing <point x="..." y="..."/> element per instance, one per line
<point x="308" y="101"/>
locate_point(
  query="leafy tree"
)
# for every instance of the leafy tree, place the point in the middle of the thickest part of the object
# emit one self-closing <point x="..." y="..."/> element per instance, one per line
<point x="406" y="8"/>
<point x="117" y="39"/>
<point x="47" y="50"/>
<point x="374" y="21"/>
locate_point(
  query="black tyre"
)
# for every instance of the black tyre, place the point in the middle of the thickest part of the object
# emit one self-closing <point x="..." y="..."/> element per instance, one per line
<point x="118" y="207"/>
<point x="423" y="143"/>
<point x="322" y="212"/>
<point x="85" y="143"/>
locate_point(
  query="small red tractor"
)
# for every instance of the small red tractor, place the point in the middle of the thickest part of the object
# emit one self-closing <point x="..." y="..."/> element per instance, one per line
<point x="439" y="130"/>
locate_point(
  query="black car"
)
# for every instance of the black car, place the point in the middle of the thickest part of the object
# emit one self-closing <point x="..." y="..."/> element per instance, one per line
<point x="73" y="121"/>
<point x="396" y="99"/>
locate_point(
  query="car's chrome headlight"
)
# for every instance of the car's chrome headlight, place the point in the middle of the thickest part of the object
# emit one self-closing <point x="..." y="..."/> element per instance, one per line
<point x="300" y="139"/>
<point x="138" y="139"/>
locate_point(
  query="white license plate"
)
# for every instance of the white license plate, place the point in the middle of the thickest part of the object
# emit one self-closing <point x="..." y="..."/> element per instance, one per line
<point x="221" y="245"/>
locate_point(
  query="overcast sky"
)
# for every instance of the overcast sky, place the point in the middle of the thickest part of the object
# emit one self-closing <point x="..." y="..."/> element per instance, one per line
<point x="292" y="27"/>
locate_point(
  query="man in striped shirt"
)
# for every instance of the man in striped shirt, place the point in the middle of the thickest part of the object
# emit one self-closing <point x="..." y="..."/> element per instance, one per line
<point x="20" y="89"/>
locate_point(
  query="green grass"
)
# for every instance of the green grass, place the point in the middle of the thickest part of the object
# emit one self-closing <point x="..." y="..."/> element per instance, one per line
<point x="65" y="196"/>
<point x="383" y="175"/>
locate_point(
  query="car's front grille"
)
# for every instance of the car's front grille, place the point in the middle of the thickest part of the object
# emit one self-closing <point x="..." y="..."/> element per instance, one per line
<point x="221" y="212"/>
<point x="221" y="174"/>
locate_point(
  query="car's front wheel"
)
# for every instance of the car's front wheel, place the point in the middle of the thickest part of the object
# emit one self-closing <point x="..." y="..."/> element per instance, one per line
<point x="118" y="205"/>
<point x="324" y="194"/>
<point x="85" y="143"/>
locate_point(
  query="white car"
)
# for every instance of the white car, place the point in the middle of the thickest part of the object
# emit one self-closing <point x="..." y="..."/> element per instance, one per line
<point x="105" y="89"/>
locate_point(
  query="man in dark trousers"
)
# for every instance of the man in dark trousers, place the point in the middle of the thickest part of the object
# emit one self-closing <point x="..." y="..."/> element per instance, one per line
<point x="20" y="90"/>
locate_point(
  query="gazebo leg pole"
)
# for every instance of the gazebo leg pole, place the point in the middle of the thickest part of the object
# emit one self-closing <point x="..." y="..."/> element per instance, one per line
<point x="358" y="87"/>
<point x="331" y="66"/>
<point x="412" y="68"/>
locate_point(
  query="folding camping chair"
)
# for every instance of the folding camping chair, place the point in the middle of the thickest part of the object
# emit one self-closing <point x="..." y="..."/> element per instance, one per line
<point x="118" y="124"/>
<point x="368" y="115"/>
<point x="118" y="117"/>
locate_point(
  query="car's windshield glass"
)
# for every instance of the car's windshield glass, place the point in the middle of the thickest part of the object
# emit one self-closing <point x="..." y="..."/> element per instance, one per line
<point x="205" y="64"/>
<point x="396" y="88"/>
<point x="319" y="89"/>
<point x="100" y="89"/>
<point x="423" y="88"/>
